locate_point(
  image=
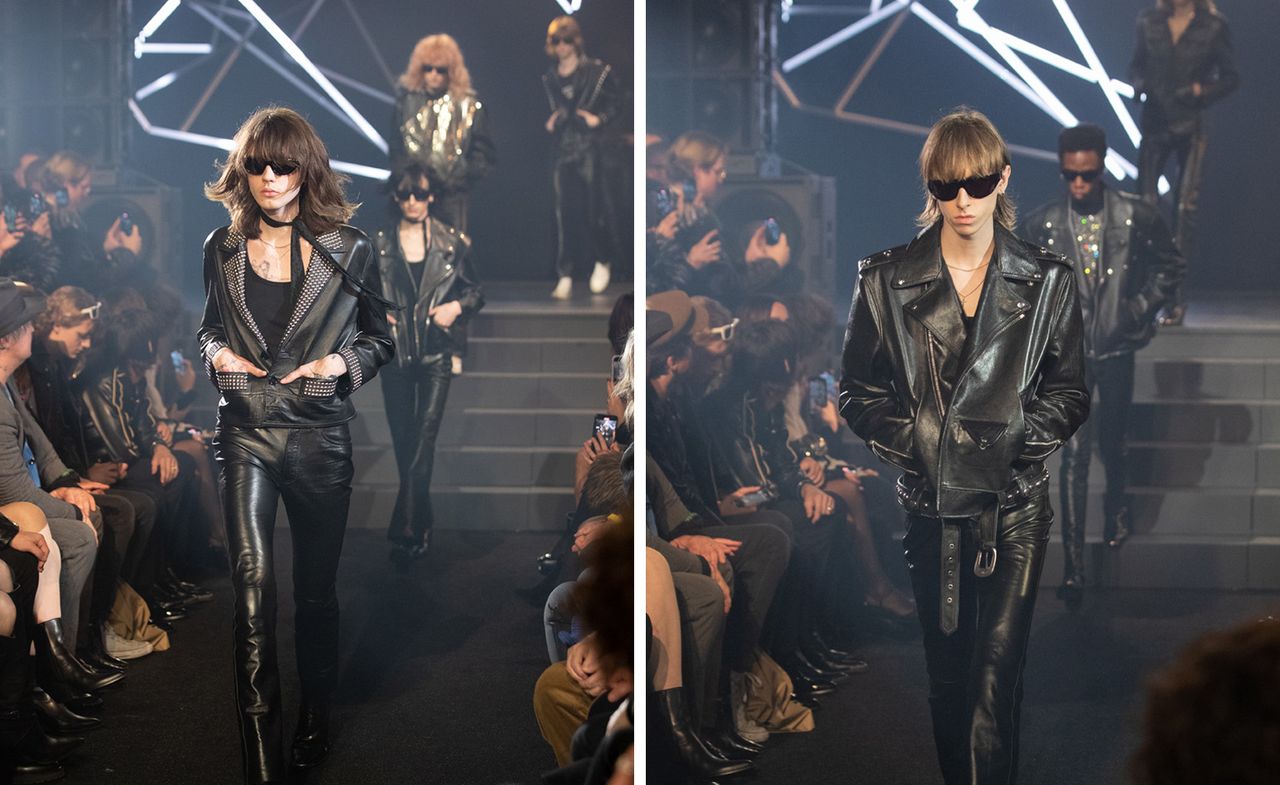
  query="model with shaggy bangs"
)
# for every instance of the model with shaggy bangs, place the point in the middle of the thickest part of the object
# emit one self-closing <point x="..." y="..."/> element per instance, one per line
<point x="276" y="133"/>
<point x="566" y="28"/>
<point x="963" y="144"/>
<point x="438" y="49"/>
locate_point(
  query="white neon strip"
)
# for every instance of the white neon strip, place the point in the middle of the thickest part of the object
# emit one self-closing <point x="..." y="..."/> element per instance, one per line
<point x="164" y="13"/>
<point x="1100" y="73"/>
<point x="569" y="7"/>
<point x="172" y="49"/>
<point x="834" y="40"/>
<point x="1058" y="61"/>
<point x="953" y="35"/>
<point x="222" y="143"/>
<point x="301" y="58"/>
<point x="156" y="86"/>
<point x="271" y="63"/>
<point x="372" y="92"/>
<point x="875" y="6"/>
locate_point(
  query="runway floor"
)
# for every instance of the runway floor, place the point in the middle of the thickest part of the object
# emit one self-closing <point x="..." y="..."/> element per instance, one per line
<point x="1084" y="695"/>
<point x="438" y="669"/>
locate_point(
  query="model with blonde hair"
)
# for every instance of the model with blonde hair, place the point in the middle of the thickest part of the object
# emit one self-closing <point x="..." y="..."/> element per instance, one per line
<point x="583" y="99"/>
<point x="964" y="367"/>
<point x="293" y="324"/>
<point x="442" y="125"/>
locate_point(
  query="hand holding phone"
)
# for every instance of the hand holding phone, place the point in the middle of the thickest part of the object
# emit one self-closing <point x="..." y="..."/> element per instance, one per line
<point x="606" y="427"/>
<point x="772" y="231"/>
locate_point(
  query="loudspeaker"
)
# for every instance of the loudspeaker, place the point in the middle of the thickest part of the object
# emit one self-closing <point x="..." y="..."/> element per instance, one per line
<point x="64" y="78"/>
<point x="157" y="212"/>
<point x="710" y="64"/>
<point x="804" y="205"/>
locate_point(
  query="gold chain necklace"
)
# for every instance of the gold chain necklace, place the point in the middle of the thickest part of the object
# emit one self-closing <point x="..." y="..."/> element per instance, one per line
<point x="968" y="269"/>
<point x="965" y="297"/>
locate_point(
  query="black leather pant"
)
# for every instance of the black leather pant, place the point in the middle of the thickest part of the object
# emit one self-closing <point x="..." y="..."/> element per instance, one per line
<point x="1111" y="382"/>
<point x="310" y="469"/>
<point x="1189" y="148"/>
<point x="415" y="399"/>
<point x="975" y="673"/>
<point x="794" y="613"/>
<point x="584" y="215"/>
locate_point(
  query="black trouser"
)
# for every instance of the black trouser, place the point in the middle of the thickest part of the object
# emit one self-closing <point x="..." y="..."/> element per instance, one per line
<point x="758" y="567"/>
<point x="1111" y="382"/>
<point x="310" y="469"/>
<point x="584" y="215"/>
<point x="794" y="613"/>
<point x="145" y="512"/>
<point x="1153" y="154"/>
<point x="174" y="504"/>
<point x="975" y="673"/>
<point x="15" y="664"/>
<point x="415" y="399"/>
<point x="118" y="520"/>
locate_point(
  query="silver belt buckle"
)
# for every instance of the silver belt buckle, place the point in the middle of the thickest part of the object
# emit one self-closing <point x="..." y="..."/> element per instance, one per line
<point x="985" y="563"/>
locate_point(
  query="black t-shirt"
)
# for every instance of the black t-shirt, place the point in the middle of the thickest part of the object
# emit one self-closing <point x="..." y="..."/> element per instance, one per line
<point x="271" y="304"/>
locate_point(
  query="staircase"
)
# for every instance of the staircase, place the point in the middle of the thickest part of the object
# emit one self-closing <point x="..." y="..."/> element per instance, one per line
<point x="1204" y="458"/>
<point x="532" y="381"/>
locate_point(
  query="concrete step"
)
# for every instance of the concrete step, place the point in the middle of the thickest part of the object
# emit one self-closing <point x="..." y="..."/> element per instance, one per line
<point x="1190" y="465"/>
<point x="490" y="427"/>
<point x="1205" y="420"/>
<point x="515" y="322"/>
<point x="1157" y="378"/>
<point x="507" y="389"/>
<point x="582" y="355"/>
<point x="1176" y="562"/>
<point x="469" y="465"/>
<point x="1188" y="342"/>
<point x="506" y="508"/>
<point x="1236" y="512"/>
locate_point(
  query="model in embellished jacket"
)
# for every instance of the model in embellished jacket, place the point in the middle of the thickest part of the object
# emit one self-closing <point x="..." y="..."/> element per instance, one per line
<point x="964" y="367"/>
<point x="1182" y="63"/>
<point x="582" y="95"/>
<point x="1127" y="269"/>
<point x="441" y="124"/>
<point x="424" y="270"/>
<point x="293" y="324"/>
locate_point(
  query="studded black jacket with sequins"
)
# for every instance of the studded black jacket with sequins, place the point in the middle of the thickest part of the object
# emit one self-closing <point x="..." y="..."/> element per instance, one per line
<point x="333" y="314"/>
<point x="1134" y="275"/>
<point x="967" y="415"/>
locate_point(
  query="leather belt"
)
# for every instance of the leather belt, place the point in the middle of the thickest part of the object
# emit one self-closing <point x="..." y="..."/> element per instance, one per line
<point x="916" y="501"/>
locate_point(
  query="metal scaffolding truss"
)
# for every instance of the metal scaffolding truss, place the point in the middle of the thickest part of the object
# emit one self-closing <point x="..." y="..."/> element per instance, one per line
<point x="1004" y="56"/>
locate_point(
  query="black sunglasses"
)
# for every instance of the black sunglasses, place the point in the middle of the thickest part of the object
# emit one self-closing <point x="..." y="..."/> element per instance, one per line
<point x="1088" y="175"/>
<point x="257" y="166"/>
<point x="976" y="187"/>
<point x="556" y="40"/>
<point x="421" y="194"/>
<point x="443" y="70"/>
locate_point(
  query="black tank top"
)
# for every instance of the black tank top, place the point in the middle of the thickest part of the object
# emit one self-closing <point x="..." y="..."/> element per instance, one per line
<point x="271" y="304"/>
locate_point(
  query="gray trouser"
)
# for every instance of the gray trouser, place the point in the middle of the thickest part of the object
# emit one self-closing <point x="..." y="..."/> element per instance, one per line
<point x="79" y="550"/>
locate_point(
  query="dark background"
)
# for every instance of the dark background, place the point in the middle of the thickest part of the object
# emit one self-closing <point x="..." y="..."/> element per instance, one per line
<point x="502" y="41"/>
<point x="921" y="76"/>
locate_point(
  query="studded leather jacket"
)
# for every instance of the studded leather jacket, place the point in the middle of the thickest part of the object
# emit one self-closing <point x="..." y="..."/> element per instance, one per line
<point x="592" y="88"/>
<point x="969" y="416"/>
<point x="1135" y="273"/>
<point x="1165" y="71"/>
<point x="339" y="310"/>
<point x="450" y="137"/>
<point x="444" y="275"/>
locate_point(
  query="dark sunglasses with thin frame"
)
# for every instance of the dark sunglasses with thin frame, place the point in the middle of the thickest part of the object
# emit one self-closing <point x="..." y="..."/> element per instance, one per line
<point x="421" y="194"/>
<point x="1088" y="175"/>
<point x="443" y="70"/>
<point x="256" y="166"/>
<point x="556" y="40"/>
<point x="976" y="187"/>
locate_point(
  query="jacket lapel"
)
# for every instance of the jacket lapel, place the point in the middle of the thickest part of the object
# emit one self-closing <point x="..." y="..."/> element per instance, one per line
<point x="235" y="269"/>
<point x="936" y="307"/>
<point x="319" y="271"/>
<point x="999" y="305"/>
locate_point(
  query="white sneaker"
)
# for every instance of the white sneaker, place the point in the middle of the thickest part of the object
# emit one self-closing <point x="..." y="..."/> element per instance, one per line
<point x="746" y="728"/>
<point x="456" y="365"/>
<point x="563" y="290"/>
<point x="599" y="278"/>
<point x="123" y="648"/>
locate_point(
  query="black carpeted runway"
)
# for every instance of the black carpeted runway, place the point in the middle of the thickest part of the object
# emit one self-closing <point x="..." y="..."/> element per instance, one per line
<point x="1083" y="703"/>
<point x="438" y="673"/>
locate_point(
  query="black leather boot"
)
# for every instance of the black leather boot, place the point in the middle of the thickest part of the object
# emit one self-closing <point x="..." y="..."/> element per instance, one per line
<point x="690" y="749"/>
<point x="58" y="663"/>
<point x="311" y="740"/>
<point x="95" y="654"/>
<point x="1075" y="500"/>
<point x="1119" y="527"/>
<point x="58" y="719"/>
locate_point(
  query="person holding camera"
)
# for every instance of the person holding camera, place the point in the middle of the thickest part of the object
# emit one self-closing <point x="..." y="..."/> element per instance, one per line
<point x="425" y="270"/>
<point x="294" y="323"/>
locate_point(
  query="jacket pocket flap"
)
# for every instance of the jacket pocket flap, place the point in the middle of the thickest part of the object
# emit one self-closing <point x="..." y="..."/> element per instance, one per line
<point x="231" y="381"/>
<point x="984" y="432"/>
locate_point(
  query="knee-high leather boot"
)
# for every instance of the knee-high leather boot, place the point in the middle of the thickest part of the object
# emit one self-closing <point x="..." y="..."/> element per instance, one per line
<point x="1075" y="502"/>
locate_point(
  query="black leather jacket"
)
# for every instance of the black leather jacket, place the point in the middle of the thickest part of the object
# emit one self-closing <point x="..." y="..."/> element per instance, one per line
<point x="445" y="276"/>
<point x="117" y="424"/>
<point x="965" y="416"/>
<point x="1140" y="268"/>
<point x="1166" y="72"/>
<point x="595" y="90"/>
<point x="338" y="310"/>
<point x="749" y="443"/>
